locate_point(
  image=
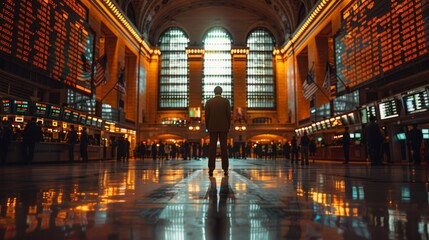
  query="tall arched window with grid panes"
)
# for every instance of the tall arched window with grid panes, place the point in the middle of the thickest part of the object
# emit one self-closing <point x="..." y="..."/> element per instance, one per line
<point x="217" y="68"/>
<point x="174" y="75"/>
<point x="261" y="91"/>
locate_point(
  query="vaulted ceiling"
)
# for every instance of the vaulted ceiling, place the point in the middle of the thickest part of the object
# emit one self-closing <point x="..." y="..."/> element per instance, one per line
<point x="195" y="17"/>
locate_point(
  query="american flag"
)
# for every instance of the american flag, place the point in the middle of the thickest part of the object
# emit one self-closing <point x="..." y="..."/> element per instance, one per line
<point x="84" y="72"/>
<point x="100" y="75"/>
<point x="309" y="87"/>
<point x="330" y="81"/>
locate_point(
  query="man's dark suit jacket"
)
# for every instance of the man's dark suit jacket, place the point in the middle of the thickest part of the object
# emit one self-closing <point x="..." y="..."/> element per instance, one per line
<point x="218" y="114"/>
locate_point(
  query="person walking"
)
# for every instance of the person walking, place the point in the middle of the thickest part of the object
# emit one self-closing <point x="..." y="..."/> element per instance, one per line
<point x="294" y="150"/>
<point x="305" y="144"/>
<point x="154" y="151"/>
<point x="83" y="144"/>
<point x="415" y="139"/>
<point x="31" y="135"/>
<point x="71" y="141"/>
<point x="286" y="149"/>
<point x="374" y="141"/>
<point x="218" y="122"/>
<point x="120" y="153"/>
<point x="346" y="145"/>
<point x="127" y="145"/>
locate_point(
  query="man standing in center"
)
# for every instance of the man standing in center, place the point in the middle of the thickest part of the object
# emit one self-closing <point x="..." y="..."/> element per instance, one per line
<point x="218" y="122"/>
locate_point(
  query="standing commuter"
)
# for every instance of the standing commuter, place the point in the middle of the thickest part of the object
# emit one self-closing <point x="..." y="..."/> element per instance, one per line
<point x="305" y="144"/>
<point x="415" y="139"/>
<point x="71" y="141"/>
<point x="374" y="141"/>
<point x="286" y="149"/>
<point x="31" y="135"/>
<point x="218" y="122"/>
<point x="294" y="150"/>
<point x="346" y="145"/>
<point x="83" y="144"/>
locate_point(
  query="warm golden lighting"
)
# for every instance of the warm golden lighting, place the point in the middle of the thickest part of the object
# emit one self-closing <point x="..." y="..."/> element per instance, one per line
<point x="240" y="51"/>
<point x="304" y="27"/>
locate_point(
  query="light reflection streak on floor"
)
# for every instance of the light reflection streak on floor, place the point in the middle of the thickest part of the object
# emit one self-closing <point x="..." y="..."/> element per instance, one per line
<point x="177" y="200"/>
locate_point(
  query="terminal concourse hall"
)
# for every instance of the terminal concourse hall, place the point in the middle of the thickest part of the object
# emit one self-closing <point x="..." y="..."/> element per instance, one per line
<point x="132" y="78"/>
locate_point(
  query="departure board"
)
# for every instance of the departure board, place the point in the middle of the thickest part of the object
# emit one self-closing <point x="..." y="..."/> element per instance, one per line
<point x="74" y="117"/>
<point x="48" y="36"/>
<point x="6" y="106"/>
<point x="366" y="112"/>
<point x="82" y="119"/>
<point x="380" y="36"/>
<point x="55" y="112"/>
<point x="21" y="107"/>
<point x="67" y="115"/>
<point x="388" y="109"/>
<point x="416" y="101"/>
<point x="40" y="109"/>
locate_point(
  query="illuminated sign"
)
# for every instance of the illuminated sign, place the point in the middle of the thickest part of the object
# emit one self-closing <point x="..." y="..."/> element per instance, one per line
<point x="366" y="112"/>
<point x="50" y="37"/>
<point x="6" y="106"/>
<point x="67" y="115"/>
<point x="416" y="101"/>
<point x="21" y="107"/>
<point x="379" y="36"/>
<point x="388" y="109"/>
<point x="55" y="112"/>
<point x="82" y="119"/>
<point x="40" y="110"/>
<point x="74" y="117"/>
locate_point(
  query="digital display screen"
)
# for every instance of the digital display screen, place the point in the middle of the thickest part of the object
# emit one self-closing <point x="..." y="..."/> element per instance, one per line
<point x="401" y="136"/>
<point x="94" y="122"/>
<point x="6" y="106"/>
<point x="55" y="112"/>
<point x="357" y="135"/>
<point x="378" y="37"/>
<point x="344" y="120"/>
<point x="352" y="118"/>
<point x="74" y="117"/>
<point x="21" y="107"/>
<point x="366" y="112"/>
<point x="40" y="110"/>
<point x="425" y="135"/>
<point x="67" y="115"/>
<point x="416" y="102"/>
<point x="336" y="122"/>
<point x="48" y="37"/>
<point x="388" y="109"/>
<point x="88" y="121"/>
<point x="82" y="119"/>
<point x="99" y="123"/>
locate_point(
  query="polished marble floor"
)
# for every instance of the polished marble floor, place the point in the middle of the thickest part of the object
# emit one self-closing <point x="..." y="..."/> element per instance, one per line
<point x="176" y="199"/>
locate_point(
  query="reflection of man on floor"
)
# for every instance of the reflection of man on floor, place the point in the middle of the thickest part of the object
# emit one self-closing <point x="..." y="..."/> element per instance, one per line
<point x="217" y="223"/>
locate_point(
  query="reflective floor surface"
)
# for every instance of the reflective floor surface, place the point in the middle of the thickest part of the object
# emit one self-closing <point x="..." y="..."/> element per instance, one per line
<point x="260" y="199"/>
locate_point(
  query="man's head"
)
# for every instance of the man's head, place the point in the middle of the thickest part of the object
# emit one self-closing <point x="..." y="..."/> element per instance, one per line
<point x="218" y="90"/>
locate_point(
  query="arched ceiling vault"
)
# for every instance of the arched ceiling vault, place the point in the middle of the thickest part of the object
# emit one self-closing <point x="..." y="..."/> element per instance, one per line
<point x="195" y="17"/>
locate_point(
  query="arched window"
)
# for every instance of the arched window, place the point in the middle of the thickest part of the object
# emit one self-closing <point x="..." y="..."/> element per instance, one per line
<point x="261" y="92"/>
<point x="217" y="69"/>
<point x="174" y="77"/>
